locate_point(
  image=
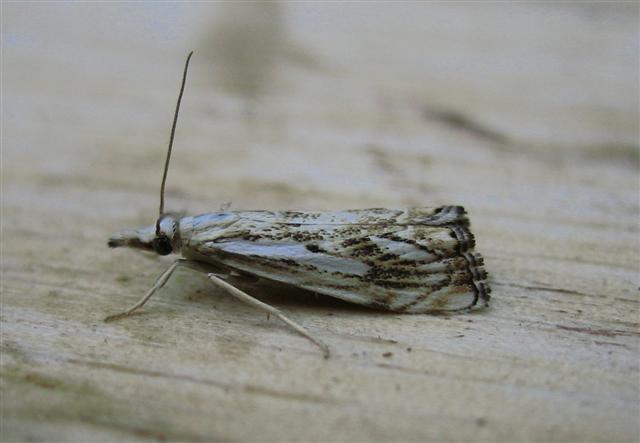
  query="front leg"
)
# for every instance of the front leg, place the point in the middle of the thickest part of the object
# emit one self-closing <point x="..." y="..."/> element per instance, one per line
<point x="229" y="289"/>
<point x="160" y="282"/>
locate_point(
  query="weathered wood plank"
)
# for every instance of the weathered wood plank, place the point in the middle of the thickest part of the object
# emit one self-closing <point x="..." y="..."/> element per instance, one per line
<point x="527" y="114"/>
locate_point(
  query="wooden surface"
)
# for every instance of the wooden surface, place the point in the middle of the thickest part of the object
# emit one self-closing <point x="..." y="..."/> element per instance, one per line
<point x="526" y="114"/>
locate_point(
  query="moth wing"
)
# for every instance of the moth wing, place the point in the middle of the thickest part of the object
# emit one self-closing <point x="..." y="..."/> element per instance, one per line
<point x="401" y="267"/>
<point x="431" y="216"/>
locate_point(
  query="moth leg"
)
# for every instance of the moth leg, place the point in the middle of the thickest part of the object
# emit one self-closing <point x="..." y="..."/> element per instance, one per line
<point x="243" y="296"/>
<point x="160" y="282"/>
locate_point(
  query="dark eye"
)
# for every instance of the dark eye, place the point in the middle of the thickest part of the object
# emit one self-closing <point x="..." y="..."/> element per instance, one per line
<point x="162" y="245"/>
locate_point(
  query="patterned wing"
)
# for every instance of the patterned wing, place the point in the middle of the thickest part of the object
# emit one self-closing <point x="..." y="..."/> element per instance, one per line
<point x="416" y="260"/>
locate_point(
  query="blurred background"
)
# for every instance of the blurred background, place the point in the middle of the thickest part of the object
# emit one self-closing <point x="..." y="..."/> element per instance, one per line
<point x="317" y="104"/>
<point x="526" y="113"/>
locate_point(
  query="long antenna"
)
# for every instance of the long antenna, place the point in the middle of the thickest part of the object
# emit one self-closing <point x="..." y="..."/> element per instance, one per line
<point x="173" y="132"/>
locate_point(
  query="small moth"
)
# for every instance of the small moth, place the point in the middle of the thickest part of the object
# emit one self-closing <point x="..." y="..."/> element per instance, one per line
<point x="415" y="260"/>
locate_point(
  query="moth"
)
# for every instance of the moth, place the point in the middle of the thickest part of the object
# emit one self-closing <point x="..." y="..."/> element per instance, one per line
<point x="414" y="260"/>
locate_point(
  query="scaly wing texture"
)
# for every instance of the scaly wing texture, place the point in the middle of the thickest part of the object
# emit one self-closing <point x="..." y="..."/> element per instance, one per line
<point x="415" y="260"/>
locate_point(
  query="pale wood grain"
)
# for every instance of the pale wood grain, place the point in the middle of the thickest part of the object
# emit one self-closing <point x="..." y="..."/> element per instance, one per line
<point x="354" y="118"/>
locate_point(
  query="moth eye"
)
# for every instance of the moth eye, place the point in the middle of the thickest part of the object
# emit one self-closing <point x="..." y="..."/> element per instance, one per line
<point x="162" y="245"/>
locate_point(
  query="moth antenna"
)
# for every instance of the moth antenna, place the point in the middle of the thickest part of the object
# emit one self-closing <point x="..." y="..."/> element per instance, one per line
<point x="173" y="132"/>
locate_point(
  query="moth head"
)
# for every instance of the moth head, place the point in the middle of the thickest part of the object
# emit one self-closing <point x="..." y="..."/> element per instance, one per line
<point x="163" y="237"/>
